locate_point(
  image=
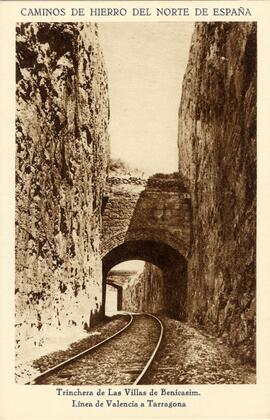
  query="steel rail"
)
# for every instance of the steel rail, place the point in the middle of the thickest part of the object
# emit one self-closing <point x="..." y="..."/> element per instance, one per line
<point x="150" y="360"/>
<point x="77" y="356"/>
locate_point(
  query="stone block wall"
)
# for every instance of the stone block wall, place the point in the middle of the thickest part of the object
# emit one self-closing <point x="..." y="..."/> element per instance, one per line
<point x="61" y="163"/>
<point x="217" y="154"/>
<point x="156" y="209"/>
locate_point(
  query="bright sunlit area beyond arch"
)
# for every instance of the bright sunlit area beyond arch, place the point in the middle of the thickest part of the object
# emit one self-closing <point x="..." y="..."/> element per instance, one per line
<point x="117" y="278"/>
<point x="132" y="265"/>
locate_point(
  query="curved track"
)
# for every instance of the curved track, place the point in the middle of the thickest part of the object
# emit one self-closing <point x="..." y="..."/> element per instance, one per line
<point x="151" y="358"/>
<point x="122" y="359"/>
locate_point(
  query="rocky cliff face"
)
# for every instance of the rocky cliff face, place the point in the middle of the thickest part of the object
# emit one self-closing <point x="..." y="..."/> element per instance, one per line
<point x="145" y="292"/>
<point x="217" y="155"/>
<point x="61" y="162"/>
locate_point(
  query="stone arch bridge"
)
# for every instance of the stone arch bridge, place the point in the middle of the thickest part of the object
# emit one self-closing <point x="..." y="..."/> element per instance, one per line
<point x="149" y="220"/>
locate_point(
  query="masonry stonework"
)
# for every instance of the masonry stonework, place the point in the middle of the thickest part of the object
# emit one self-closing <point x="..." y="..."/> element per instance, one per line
<point x="156" y="209"/>
<point x="150" y="220"/>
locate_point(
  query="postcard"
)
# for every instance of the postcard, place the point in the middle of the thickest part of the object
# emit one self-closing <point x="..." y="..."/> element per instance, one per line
<point x="134" y="210"/>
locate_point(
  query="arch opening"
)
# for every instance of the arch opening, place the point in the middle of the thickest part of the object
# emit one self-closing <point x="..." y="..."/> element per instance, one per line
<point x="171" y="286"/>
<point x="118" y="280"/>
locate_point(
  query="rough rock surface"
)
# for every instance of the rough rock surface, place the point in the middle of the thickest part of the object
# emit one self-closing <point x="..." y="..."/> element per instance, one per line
<point x="217" y="156"/>
<point x="61" y="163"/>
<point x="145" y="292"/>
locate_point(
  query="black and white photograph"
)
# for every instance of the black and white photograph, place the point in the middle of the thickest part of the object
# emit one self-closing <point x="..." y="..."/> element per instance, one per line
<point x="135" y="221"/>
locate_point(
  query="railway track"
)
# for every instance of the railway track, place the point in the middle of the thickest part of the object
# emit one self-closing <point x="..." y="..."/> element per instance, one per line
<point x="121" y="359"/>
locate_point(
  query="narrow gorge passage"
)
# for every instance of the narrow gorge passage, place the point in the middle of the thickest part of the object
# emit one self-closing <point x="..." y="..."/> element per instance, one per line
<point x="81" y="210"/>
<point x="118" y="362"/>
